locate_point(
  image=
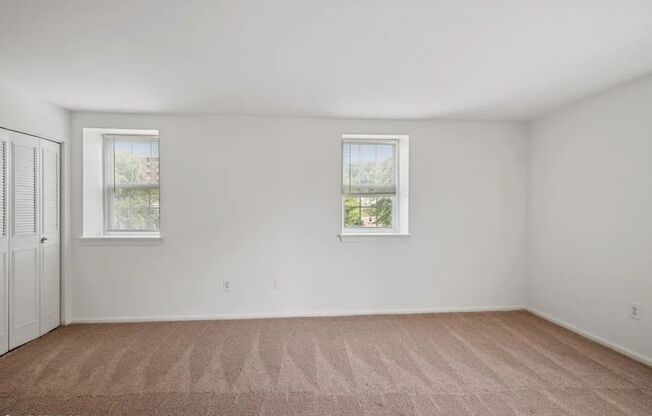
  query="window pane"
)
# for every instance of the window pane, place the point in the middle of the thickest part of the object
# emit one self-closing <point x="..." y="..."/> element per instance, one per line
<point x="384" y="212"/>
<point x="136" y="162"/>
<point x="369" y="168"/>
<point x="368" y="217"/>
<point x="368" y="212"/>
<point x="352" y="212"/>
<point x="154" y="198"/>
<point x="367" y="202"/>
<point x="134" y="200"/>
<point x="135" y="209"/>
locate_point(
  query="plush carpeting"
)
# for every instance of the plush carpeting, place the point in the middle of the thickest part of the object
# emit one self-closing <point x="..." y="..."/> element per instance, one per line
<point x="502" y="363"/>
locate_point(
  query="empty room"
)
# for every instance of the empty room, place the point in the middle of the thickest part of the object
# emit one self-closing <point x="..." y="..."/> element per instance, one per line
<point x="326" y="207"/>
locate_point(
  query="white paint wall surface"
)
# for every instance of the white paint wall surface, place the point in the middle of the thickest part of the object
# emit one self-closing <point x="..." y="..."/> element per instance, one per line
<point x="28" y="114"/>
<point x="591" y="216"/>
<point x="254" y="198"/>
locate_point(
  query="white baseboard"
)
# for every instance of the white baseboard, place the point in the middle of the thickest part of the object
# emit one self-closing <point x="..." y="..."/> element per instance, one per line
<point x="315" y="314"/>
<point x="586" y="334"/>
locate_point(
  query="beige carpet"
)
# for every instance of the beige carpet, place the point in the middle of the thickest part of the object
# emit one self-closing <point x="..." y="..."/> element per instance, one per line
<point x="503" y="363"/>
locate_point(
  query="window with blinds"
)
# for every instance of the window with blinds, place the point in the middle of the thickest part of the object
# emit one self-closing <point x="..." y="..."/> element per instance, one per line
<point x="132" y="171"/>
<point x="369" y="185"/>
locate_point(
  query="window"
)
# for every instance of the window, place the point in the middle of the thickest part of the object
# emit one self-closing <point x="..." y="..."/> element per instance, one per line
<point x="131" y="183"/>
<point x="121" y="178"/>
<point x="374" y="184"/>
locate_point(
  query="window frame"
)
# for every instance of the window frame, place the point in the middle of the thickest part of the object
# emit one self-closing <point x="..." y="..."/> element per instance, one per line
<point x="393" y="197"/>
<point x="399" y="197"/>
<point x="108" y="185"/>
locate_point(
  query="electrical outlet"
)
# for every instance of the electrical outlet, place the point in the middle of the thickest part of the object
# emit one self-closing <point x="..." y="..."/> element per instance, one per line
<point x="635" y="310"/>
<point x="226" y="285"/>
<point x="278" y="283"/>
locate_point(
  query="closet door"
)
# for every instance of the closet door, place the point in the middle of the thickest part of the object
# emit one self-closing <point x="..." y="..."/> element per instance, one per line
<point x="4" y="245"/>
<point x="50" y="241"/>
<point x="25" y="242"/>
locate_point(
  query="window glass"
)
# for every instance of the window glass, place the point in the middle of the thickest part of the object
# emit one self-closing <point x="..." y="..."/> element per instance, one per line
<point x="133" y="183"/>
<point x="369" y="190"/>
<point x="368" y="212"/>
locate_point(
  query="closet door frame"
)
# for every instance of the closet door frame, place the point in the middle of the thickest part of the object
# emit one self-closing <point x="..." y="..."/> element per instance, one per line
<point x="4" y="242"/>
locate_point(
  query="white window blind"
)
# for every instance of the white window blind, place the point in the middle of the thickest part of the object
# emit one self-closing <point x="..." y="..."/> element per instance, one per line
<point x="369" y="168"/>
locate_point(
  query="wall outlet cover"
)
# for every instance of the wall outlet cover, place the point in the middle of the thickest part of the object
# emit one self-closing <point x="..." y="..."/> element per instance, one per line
<point x="635" y="310"/>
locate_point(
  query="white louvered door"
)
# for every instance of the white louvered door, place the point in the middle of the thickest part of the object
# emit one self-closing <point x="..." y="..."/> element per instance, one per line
<point x="50" y="231"/>
<point x="4" y="245"/>
<point x="24" y="245"/>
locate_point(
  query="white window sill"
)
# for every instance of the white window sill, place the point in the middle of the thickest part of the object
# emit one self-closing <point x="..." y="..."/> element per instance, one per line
<point x="370" y="236"/>
<point x="121" y="240"/>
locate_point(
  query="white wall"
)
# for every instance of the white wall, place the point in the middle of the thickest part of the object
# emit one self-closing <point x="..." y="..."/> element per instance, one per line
<point x="251" y="199"/>
<point x="28" y="114"/>
<point x="591" y="216"/>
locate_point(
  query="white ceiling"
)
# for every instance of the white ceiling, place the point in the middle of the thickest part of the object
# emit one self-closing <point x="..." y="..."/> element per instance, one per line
<point x="467" y="59"/>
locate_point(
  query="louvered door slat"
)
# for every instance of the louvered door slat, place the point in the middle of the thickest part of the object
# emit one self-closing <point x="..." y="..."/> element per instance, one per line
<point x="51" y="191"/>
<point x="25" y="210"/>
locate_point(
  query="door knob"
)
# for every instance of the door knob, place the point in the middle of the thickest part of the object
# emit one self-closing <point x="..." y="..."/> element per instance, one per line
<point x="44" y="240"/>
